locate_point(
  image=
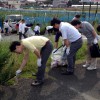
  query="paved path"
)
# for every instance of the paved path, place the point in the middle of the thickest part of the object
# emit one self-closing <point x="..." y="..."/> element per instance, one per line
<point x="83" y="85"/>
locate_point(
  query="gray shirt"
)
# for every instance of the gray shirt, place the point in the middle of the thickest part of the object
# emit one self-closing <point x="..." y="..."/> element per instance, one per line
<point x="87" y="29"/>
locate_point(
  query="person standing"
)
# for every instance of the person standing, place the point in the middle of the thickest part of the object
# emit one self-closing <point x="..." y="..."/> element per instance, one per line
<point x="41" y="46"/>
<point x="88" y="30"/>
<point x="22" y="27"/>
<point x="72" y="40"/>
<point x="6" y="27"/>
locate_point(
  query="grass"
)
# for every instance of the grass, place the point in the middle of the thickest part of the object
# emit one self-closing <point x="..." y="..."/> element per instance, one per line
<point x="31" y="65"/>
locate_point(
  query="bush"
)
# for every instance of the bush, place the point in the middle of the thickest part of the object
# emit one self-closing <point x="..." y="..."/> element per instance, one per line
<point x="5" y="65"/>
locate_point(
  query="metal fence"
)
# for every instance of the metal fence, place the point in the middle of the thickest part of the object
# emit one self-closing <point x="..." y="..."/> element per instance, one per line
<point x="44" y="16"/>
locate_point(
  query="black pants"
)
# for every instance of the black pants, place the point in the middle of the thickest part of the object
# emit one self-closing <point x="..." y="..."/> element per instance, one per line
<point x="6" y="30"/>
<point x="20" y="35"/>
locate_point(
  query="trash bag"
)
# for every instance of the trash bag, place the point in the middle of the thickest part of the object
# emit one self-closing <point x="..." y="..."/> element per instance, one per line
<point x="0" y="37"/>
<point x="30" y="32"/>
<point x="59" y="58"/>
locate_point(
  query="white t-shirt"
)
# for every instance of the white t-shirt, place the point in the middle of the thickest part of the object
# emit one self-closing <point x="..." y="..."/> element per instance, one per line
<point x="37" y="28"/>
<point x="20" y="27"/>
<point x="49" y="27"/>
<point x="69" y="32"/>
<point x="23" y="28"/>
<point x="6" y="25"/>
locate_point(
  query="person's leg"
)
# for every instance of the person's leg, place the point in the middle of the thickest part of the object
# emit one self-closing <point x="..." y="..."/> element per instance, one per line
<point x="45" y="53"/>
<point x="24" y="35"/>
<point x="93" y="64"/>
<point x="74" y="47"/>
<point x="88" y="59"/>
<point x="20" y="35"/>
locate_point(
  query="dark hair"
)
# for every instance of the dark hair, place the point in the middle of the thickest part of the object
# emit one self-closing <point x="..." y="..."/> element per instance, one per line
<point x="6" y="21"/>
<point x="13" y="45"/>
<point x="98" y="28"/>
<point x="38" y="24"/>
<point x="23" y="20"/>
<point x="55" y="21"/>
<point x="75" y="22"/>
<point x="77" y="16"/>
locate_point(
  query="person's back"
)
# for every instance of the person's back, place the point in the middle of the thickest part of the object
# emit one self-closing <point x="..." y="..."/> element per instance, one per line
<point x="37" y="29"/>
<point x="72" y="32"/>
<point x="87" y="30"/>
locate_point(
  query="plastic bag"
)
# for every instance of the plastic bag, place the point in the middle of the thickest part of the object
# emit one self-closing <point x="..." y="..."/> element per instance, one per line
<point x="59" y="58"/>
<point x="30" y="32"/>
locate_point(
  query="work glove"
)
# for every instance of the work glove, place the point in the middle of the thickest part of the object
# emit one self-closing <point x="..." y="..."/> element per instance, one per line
<point x="39" y="62"/>
<point x="18" y="72"/>
<point x="54" y="50"/>
<point x="95" y="41"/>
<point x="68" y="50"/>
<point x="64" y="48"/>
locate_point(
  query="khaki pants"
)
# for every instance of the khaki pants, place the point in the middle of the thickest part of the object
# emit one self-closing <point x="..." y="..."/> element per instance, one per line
<point x="91" y="61"/>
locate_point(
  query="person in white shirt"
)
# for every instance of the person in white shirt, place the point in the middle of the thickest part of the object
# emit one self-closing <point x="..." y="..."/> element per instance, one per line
<point x="6" y="27"/>
<point x="37" y="29"/>
<point x="48" y="29"/>
<point x="72" y="40"/>
<point x="22" y="27"/>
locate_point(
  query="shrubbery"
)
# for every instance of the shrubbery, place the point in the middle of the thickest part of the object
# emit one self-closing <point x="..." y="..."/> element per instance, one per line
<point x="5" y="63"/>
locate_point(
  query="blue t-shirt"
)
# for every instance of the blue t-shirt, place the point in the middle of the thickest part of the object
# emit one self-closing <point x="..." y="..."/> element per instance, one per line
<point x="57" y="36"/>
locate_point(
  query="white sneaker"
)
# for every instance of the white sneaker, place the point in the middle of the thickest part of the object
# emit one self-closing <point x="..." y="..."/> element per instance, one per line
<point x="86" y="65"/>
<point x="91" y="68"/>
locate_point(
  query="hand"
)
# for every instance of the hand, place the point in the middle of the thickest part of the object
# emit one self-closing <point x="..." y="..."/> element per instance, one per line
<point x="68" y="50"/>
<point x="64" y="48"/>
<point x="54" y="50"/>
<point x="18" y="72"/>
<point x="39" y="62"/>
<point x="95" y="41"/>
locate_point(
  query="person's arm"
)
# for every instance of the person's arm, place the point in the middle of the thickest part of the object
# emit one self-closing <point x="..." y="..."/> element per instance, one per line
<point x="94" y="33"/>
<point x="66" y="42"/>
<point x="37" y="53"/>
<point x="57" y="36"/>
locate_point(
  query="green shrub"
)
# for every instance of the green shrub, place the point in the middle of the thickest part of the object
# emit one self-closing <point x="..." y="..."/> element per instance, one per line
<point x="5" y="64"/>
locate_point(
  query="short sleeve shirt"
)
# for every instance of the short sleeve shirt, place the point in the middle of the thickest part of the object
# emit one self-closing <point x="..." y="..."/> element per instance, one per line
<point x="69" y="32"/>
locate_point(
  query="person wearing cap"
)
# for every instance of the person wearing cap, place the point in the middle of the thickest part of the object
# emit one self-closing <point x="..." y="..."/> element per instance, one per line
<point x="72" y="40"/>
<point x="41" y="47"/>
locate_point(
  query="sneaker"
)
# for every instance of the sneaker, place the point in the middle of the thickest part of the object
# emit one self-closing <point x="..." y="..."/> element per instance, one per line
<point x="36" y="83"/>
<point x="86" y="65"/>
<point x="91" y="68"/>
